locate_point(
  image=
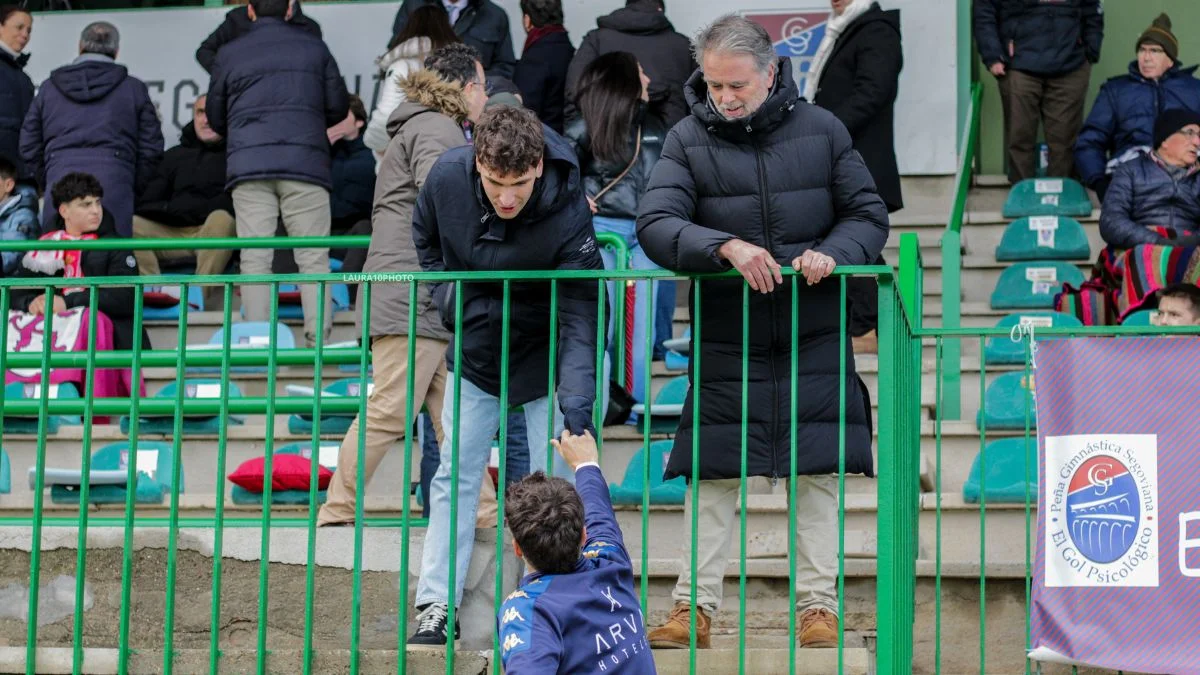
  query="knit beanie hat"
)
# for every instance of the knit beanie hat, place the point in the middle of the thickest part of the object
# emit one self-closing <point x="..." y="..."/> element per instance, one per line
<point x="1160" y="34"/>
<point x="1172" y="121"/>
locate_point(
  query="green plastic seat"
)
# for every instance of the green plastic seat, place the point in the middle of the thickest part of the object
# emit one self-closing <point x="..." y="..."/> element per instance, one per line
<point x="1033" y="285"/>
<point x="1003" y="351"/>
<point x="1005" y="472"/>
<point x="154" y="465"/>
<point x="1143" y="317"/>
<point x="5" y="473"/>
<point x="1004" y="404"/>
<point x="1047" y="197"/>
<point x="629" y="490"/>
<point x="1044" y="238"/>
<point x="667" y="407"/>
<point x="29" y="425"/>
<point x="327" y="457"/>
<point x="192" y="424"/>
<point x="332" y="424"/>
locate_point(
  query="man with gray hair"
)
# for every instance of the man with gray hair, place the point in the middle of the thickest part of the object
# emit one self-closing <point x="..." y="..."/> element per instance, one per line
<point x="94" y="117"/>
<point x="753" y="180"/>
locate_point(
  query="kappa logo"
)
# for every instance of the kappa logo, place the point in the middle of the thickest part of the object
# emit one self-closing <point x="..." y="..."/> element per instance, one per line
<point x="511" y="640"/>
<point x="511" y="614"/>
<point x="589" y="246"/>
<point x="517" y="594"/>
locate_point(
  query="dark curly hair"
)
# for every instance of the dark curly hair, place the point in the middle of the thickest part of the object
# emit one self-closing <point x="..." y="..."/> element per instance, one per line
<point x="543" y="12"/>
<point x="454" y="63"/>
<point x="545" y="516"/>
<point x="77" y="185"/>
<point x="509" y="140"/>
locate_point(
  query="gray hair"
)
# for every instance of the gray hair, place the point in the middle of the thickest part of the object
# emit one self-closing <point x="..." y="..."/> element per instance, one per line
<point x="100" y="37"/>
<point x="734" y="34"/>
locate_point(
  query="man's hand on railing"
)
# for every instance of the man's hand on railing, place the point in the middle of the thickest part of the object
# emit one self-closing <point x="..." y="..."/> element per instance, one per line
<point x="578" y="421"/>
<point x="754" y="263"/>
<point x="814" y="266"/>
<point x="576" y="450"/>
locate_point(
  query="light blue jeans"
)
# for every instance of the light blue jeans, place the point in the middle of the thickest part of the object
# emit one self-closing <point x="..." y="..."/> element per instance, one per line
<point x="480" y="418"/>
<point x="644" y="291"/>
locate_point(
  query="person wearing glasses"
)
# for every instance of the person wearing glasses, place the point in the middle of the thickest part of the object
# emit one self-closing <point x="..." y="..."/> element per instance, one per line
<point x="1121" y="124"/>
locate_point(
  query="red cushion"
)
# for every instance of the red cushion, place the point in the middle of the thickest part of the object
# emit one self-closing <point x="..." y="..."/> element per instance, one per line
<point x="289" y="297"/>
<point x="161" y="296"/>
<point x="288" y="472"/>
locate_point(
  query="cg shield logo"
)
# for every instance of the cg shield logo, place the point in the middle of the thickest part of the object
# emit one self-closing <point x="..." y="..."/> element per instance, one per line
<point x="795" y="34"/>
<point x="1103" y="509"/>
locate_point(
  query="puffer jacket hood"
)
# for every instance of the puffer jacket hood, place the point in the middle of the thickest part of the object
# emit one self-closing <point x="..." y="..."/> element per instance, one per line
<point x="769" y="115"/>
<point x="88" y="81"/>
<point x="639" y="18"/>
<point x="19" y="61"/>
<point x="409" y="49"/>
<point x="26" y="199"/>
<point x="424" y="91"/>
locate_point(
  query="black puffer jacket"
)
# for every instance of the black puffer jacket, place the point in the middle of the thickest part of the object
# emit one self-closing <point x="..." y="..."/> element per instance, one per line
<point x="236" y="24"/>
<point x="541" y="75"/>
<point x="789" y="180"/>
<point x="274" y="92"/>
<point x="189" y="183"/>
<point x="621" y="201"/>
<point x="455" y="228"/>
<point x="16" y="94"/>
<point x="641" y="29"/>
<point x="1048" y="37"/>
<point x="1143" y="194"/>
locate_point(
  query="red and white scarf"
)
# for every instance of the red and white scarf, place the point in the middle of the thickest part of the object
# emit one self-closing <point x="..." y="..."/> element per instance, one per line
<point x="51" y="263"/>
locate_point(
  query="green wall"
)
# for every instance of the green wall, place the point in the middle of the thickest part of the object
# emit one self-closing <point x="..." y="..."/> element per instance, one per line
<point x="1124" y="21"/>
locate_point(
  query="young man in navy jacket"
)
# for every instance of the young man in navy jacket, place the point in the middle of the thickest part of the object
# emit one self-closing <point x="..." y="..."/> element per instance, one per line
<point x="576" y="611"/>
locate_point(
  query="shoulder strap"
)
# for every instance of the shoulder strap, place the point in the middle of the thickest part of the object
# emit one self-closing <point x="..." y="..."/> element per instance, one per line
<point x="637" y="150"/>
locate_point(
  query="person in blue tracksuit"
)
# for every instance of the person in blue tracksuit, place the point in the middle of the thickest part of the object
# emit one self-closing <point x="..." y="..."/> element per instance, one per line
<point x="576" y="611"/>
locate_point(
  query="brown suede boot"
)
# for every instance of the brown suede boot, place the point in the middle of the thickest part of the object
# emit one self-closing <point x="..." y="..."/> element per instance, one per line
<point x="676" y="632"/>
<point x="818" y="628"/>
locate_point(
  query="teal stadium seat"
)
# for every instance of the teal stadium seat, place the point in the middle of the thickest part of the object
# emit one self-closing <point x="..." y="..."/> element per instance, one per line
<point x="326" y="457"/>
<point x="289" y="300"/>
<point x="1004" y="404"/>
<point x="1047" y="197"/>
<point x="14" y="391"/>
<point x="247" y="334"/>
<point x="1044" y="238"/>
<point x="1005" y="472"/>
<point x="192" y="424"/>
<point x="1033" y="285"/>
<point x="151" y="294"/>
<point x="5" y="473"/>
<point x="332" y="424"/>
<point x="1143" y="317"/>
<point x="630" y="489"/>
<point x="108" y="479"/>
<point x="667" y="407"/>
<point x="1003" y="351"/>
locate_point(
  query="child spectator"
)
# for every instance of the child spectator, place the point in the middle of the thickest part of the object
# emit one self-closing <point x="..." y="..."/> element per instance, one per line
<point x="18" y="214"/>
<point x="576" y="611"/>
<point x="1178" y="305"/>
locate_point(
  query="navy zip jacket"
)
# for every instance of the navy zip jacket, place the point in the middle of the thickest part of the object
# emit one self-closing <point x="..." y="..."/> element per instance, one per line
<point x="588" y="621"/>
<point x="1049" y="37"/>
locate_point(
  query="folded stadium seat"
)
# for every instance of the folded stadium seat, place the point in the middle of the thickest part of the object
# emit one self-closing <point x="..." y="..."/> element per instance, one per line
<point x="192" y="424"/>
<point x="1044" y="238"/>
<point x="330" y="424"/>
<point x="1032" y="285"/>
<point x="294" y="476"/>
<point x="5" y="474"/>
<point x="1003" y="351"/>
<point x="630" y="489"/>
<point x="243" y="335"/>
<point x="162" y="302"/>
<point x="289" y="300"/>
<point x="681" y="345"/>
<point x="1143" y="317"/>
<point x="1004" y="404"/>
<point x="1006" y="471"/>
<point x="108" y="476"/>
<point x="667" y="407"/>
<point x="29" y="425"/>
<point x="1047" y="197"/>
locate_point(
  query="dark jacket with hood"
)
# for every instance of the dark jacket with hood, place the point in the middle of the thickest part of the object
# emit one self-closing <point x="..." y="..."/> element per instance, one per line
<point x="641" y="29"/>
<point x="1048" y="37"/>
<point x="189" y="183"/>
<point x="16" y="95"/>
<point x="859" y="84"/>
<point x="456" y="229"/>
<point x="1123" y="115"/>
<point x="541" y="75"/>
<point x="236" y="24"/>
<point x="623" y="198"/>
<point x="1144" y="194"/>
<point x="18" y="222"/>
<point x="93" y="116"/>
<point x="353" y="173"/>
<point x="274" y="118"/>
<point x="787" y="179"/>
<point x="483" y="25"/>
<point x="116" y="302"/>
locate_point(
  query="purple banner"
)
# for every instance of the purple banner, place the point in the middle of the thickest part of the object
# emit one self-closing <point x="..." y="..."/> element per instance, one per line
<point x="1116" y="578"/>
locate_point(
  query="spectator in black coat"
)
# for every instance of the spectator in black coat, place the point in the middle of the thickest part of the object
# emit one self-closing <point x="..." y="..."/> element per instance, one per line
<point x="642" y="29"/>
<point x="237" y="23"/>
<point x="353" y="170"/>
<point x="480" y="23"/>
<point x="92" y="116"/>
<point x="187" y="199"/>
<point x="541" y="74"/>
<point x="16" y="24"/>
<point x="275" y="92"/>
<point x="1040" y="52"/>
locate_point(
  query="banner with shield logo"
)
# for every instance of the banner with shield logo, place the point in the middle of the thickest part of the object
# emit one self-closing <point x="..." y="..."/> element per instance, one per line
<point x="1116" y="578"/>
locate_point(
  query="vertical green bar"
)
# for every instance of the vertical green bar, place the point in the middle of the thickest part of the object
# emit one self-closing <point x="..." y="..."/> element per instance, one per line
<point x="214" y="649"/>
<point x="360" y="483"/>
<point x="410" y="387"/>
<point x="646" y="416"/>
<point x="794" y="375"/>
<point x="843" y="352"/>
<point x="505" y="318"/>
<point x="452" y="573"/>
<point x="264" y="564"/>
<point x="89" y="398"/>
<point x="743" y="497"/>
<point x="314" y="461"/>
<point x="937" y="571"/>
<point x="176" y="473"/>
<point x="890" y="647"/>
<point x="601" y="383"/>
<point x="552" y="379"/>
<point x="695" y="486"/>
<point x="35" y="553"/>
<point x="1029" y="388"/>
<point x="131" y="480"/>
<point x="982" y="505"/>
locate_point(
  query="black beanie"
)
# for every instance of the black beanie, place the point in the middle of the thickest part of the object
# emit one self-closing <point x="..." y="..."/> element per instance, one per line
<point x="1160" y="34"/>
<point x="1171" y="121"/>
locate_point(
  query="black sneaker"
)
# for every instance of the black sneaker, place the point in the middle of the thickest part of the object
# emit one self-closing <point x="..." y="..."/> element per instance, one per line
<point x="431" y="631"/>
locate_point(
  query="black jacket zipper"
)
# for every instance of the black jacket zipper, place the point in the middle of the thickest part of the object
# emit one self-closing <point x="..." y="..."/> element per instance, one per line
<point x="763" y="196"/>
